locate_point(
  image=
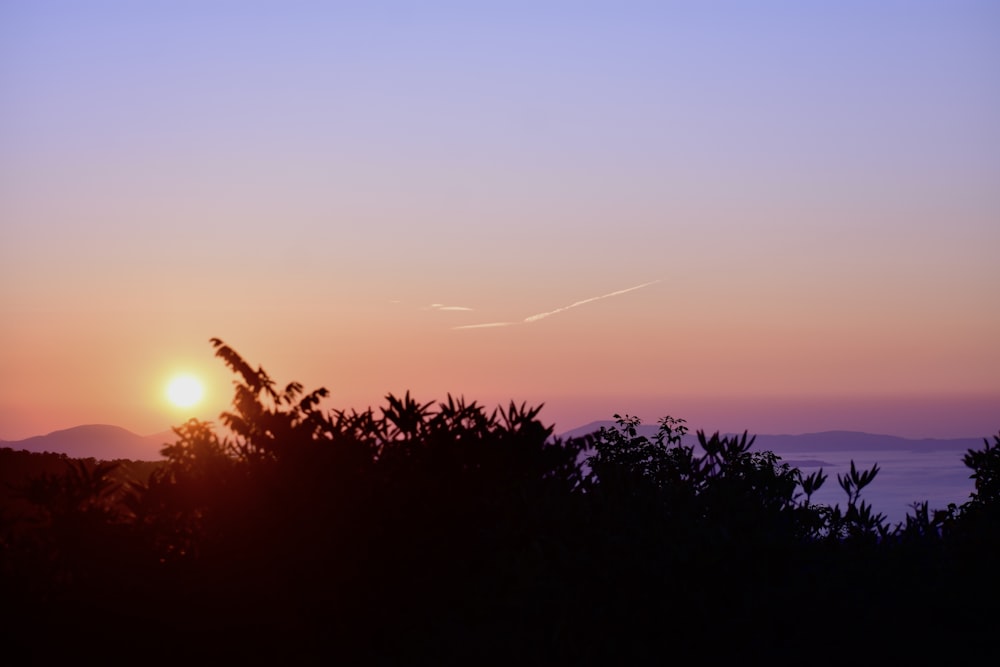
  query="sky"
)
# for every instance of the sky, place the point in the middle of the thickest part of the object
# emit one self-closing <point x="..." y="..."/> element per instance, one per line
<point x="774" y="216"/>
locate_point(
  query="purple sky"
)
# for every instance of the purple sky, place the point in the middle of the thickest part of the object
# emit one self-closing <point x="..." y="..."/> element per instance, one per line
<point x="807" y="192"/>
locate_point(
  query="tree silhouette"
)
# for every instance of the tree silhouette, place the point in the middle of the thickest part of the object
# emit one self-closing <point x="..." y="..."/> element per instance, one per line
<point x="448" y="532"/>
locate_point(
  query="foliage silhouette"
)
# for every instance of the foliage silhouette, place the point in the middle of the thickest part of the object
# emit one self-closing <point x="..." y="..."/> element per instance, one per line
<point x="447" y="532"/>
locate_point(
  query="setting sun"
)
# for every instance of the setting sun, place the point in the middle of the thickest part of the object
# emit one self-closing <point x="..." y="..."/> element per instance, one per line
<point x="184" y="391"/>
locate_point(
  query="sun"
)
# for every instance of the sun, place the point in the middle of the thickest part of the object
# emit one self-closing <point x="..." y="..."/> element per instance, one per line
<point x="184" y="391"/>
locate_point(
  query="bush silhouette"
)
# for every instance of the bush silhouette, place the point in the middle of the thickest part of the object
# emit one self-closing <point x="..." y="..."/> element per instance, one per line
<point x="448" y="532"/>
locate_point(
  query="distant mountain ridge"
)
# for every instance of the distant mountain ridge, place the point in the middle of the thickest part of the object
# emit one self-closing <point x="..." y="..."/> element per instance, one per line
<point x="830" y="441"/>
<point x="107" y="442"/>
<point x="99" y="441"/>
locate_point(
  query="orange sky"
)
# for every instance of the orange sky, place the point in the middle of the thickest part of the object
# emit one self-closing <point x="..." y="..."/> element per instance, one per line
<point x="808" y="199"/>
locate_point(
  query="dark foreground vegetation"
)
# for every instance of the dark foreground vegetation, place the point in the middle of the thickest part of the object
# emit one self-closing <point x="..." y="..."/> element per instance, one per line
<point x="447" y="533"/>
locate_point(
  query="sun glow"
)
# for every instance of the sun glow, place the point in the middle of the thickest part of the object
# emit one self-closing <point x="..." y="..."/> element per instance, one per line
<point x="184" y="391"/>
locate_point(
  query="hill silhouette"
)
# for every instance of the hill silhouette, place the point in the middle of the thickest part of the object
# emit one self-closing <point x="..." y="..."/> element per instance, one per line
<point x="108" y="442"/>
<point x="99" y="441"/>
<point x="833" y="441"/>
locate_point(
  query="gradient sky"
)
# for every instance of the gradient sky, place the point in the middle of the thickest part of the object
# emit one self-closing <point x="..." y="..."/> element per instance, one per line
<point x="808" y="195"/>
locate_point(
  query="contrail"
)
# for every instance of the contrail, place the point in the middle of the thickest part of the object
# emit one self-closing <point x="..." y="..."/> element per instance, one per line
<point x="438" y="306"/>
<point x="542" y="316"/>
<point x="485" y="326"/>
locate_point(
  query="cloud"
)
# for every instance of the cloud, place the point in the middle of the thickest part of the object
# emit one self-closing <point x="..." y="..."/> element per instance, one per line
<point x="542" y="316"/>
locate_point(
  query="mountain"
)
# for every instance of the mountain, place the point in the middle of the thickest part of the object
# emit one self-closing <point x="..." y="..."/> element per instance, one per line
<point x="842" y="441"/>
<point x="100" y="441"/>
<point x="827" y="441"/>
<point x="103" y="441"/>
